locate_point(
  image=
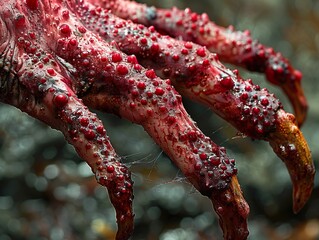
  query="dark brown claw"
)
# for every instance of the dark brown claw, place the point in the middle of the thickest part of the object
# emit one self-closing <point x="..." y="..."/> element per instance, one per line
<point x="296" y="95"/>
<point x="280" y="72"/>
<point x="124" y="211"/>
<point x="233" y="211"/>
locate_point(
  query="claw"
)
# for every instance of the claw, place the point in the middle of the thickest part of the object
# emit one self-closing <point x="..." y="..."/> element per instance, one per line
<point x="123" y="208"/>
<point x="297" y="98"/>
<point x="233" y="211"/>
<point x="289" y="144"/>
<point x="280" y="72"/>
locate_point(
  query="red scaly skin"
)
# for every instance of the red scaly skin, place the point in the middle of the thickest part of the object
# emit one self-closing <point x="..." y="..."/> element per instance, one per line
<point x="44" y="69"/>
<point x="197" y="74"/>
<point x="35" y="82"/>
<point x="49" y="59"/>
<point x="232" y="46"/>
<point x="194" y="71"/>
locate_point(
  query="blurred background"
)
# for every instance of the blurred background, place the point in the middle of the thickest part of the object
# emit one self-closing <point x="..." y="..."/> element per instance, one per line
<point x="48" y="192"/>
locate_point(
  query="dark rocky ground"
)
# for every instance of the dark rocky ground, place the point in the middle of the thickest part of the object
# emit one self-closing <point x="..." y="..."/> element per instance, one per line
<point x="47" y="192"/>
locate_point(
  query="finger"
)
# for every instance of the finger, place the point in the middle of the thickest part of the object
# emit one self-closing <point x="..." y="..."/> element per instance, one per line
<point x="232" y="46"/>
<point x="197" y="74"/>
<point x="120" y="85"/>
<point x="204" y="164"/>
<point x="34" y="81"/>
<point x="62" y="110"/>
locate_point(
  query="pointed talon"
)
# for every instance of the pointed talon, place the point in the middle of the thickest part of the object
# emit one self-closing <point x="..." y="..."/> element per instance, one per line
<point x="290" y="145"/>
<point x="298" y="100"/>
<point x="121" y="197"/>
<point x="233" y="211"/>
<point x="280" y="72"/>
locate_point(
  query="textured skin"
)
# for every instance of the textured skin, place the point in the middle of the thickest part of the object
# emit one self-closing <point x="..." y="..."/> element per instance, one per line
<point x="235" y="47"/>
<point x="59" y="57"/>
<point x="198" y="75"/>
<point x="194" y="71"/>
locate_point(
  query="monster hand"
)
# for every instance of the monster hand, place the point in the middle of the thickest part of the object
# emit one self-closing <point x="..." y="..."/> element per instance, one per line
<point x="197" y="74"/>
<point x="60" y="57"/>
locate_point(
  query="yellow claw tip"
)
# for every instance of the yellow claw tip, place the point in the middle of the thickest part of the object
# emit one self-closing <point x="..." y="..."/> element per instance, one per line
<point x="289" y="144"/>
<point x="302" y="190"/>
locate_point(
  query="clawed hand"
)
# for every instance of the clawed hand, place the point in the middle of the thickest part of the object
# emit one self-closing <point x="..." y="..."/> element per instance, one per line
<point x="61" y="57"/>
